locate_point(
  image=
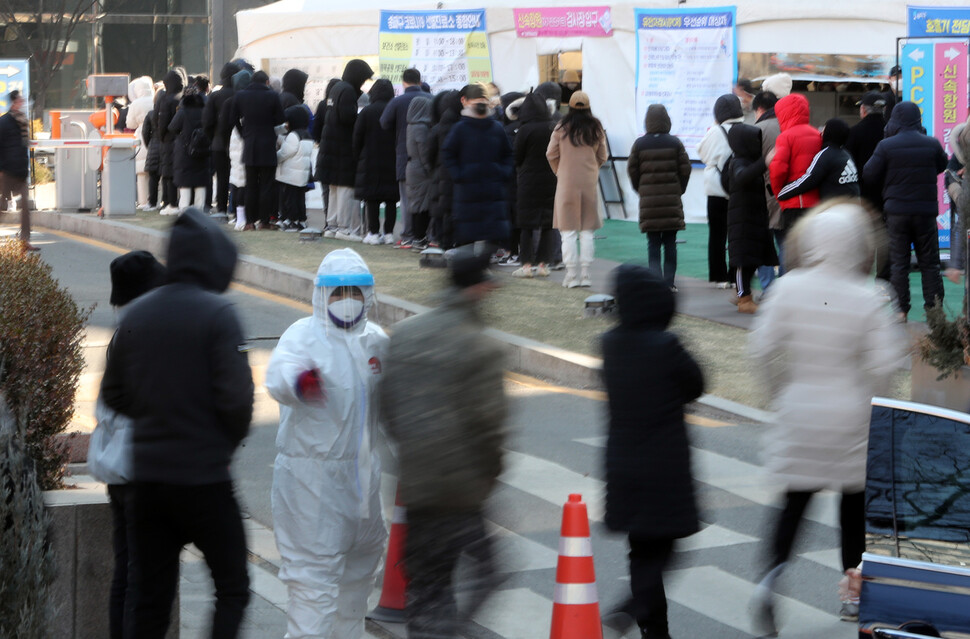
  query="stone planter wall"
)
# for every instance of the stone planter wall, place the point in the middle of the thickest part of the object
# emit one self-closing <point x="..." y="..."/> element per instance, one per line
<point x="952" y="392"/>
<point x="81" y="538"/>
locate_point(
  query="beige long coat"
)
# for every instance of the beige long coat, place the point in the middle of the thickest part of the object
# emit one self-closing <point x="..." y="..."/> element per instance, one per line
<point x="577" y="167"/>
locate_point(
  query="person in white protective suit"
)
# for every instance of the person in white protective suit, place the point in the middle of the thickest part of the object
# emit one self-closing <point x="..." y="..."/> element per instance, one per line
<point x="327" y="512"/>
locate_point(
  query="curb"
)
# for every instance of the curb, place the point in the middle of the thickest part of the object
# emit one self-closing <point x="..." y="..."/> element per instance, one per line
<point x="524" y="355"/>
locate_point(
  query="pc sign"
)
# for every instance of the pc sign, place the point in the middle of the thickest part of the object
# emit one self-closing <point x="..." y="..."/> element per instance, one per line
<point x="14" y="75"/>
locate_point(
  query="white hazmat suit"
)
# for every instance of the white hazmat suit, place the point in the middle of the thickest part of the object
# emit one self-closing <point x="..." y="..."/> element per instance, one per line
<point x="326" y="481"/>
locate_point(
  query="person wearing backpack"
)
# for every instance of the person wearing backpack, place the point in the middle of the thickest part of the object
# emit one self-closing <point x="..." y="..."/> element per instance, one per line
<point x="191" y="157"/>
<point x="714" y="152"/>
<point x="293" y="170"/>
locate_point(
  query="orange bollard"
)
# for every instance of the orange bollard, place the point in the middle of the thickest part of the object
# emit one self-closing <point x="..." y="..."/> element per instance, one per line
<point x="391" y="606"/>
<point x="575" y="607"/>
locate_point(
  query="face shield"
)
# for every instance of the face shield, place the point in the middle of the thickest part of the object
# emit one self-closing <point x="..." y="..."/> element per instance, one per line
<point x="345" y="297"/>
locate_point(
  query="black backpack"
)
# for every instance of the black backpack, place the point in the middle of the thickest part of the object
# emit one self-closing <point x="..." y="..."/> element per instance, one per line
<point x="199" y="144"/>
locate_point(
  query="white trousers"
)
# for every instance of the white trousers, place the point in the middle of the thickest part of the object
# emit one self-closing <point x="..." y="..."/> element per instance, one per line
<point x="569" y="255"/>
<point x="186" y="199"/>
<point x="141" y="189"/>
<point x="343" y="212"/>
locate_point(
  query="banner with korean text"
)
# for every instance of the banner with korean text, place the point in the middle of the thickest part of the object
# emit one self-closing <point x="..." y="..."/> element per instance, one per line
<point x="686" y="58"/>
<point x="449" y="48"/>
<point x="934" y="76"/>
<point x="563" y="22"/>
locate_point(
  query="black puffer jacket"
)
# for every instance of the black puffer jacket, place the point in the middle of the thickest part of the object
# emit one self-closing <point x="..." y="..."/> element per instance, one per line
<point x="166" y="107"/>
<point x="832" y="170"/>
<point x="213" y="105"/>
<point x="906" y="164"/>
<point x="649" y="378"/>
<point x="189" y="172"/>
<point x="864" y="137"/>
<point x="150" y="139"/>
<point x="14" y="152"/>
<point x="447" y="106"/>
<point x="659" y="170"/>
<point x="374" y="149"/>
<point x="257" y="111"/>
<point x="749" y="240"/>
<point x="537" y="182"/>
<point x="335" y="163"/>
<point x="294" y="86"/>
<point x="184" y="340"/>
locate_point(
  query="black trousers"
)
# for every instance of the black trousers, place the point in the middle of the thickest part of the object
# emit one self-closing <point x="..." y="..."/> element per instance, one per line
<point x="920" y="232"/>
<point x="529" y="254"/>
<point x="717" y="270"/>
<point x="419" y="224"/>
<point x="373" y="208"/>
<point x="220" y="164"/>
<point x="169" y="195"/>
<point x="260" y="193"/>
<point x="852" y="520"/>
<point x="117" y="608"/>
<point x="293" y="203"/>
<point x="648" y="558"/>
<point x="667" y="240"/>
<point x="153" y="179"/>
<point x="743" y="277"/>
<point x="434" y="543"/>
<point x="166" y="517"/>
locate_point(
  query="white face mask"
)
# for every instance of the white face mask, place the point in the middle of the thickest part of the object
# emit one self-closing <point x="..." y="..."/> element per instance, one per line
<point x="346" y="313"/>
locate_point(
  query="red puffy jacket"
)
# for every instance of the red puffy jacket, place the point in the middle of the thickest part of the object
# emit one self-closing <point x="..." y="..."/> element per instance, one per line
<point x="794" y="150"/>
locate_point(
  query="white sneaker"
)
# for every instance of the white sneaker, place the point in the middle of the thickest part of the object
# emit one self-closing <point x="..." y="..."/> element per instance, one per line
<point x="170" y="210"/>
<point x="330" y="233"/>
<point x="585" y="280"/>
<point x="522" y="271"/>
<point x="542" y="271"/>
<point x="388" y="239"/>
<point x="348" y="237"/>
<point x="373" y="239"/>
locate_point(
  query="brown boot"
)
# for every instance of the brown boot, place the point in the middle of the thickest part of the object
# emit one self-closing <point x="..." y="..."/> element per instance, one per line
<point x="747" y="305"/>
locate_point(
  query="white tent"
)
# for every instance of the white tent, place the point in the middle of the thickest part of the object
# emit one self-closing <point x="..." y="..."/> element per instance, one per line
<point x="331" y="29"/>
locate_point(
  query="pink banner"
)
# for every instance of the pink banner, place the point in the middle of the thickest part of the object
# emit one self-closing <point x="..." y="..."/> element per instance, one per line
<point x="563" y="22"/>
<point x="950" y="87"/>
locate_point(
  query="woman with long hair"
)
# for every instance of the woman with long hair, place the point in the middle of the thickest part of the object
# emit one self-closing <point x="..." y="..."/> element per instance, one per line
<point x="576" y="152"/>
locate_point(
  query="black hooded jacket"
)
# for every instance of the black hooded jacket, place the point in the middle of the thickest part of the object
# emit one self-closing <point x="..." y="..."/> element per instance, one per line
<point x="256" y="110"/>
<point x="749" y="240"/>
<point x="864" y="137"/>
<point x="447" y="112"/>
<point x="376" y="178"/>
<point x="649" y="378"/>
<point x="165" y="107"/>
<point x="177" y="365"/>
<point x="536" y="181"/>
<point x="189" y="172"/>
<point x="906" y="164"/>
<point x="294" y="86"/>
<point x="659" y="170"/>
<point x="832" y="171"/>
<point x="210" y="114"/>
<point x="336" y="165"/>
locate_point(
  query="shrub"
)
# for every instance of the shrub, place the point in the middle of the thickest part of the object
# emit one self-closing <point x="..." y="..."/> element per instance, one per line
<point x="41" y="329"/>
<point x="946" y="347"/>
<point x="26" y="558"/>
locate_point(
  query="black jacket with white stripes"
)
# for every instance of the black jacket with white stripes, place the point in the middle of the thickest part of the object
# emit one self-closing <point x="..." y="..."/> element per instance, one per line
<point x="832" y="172"/>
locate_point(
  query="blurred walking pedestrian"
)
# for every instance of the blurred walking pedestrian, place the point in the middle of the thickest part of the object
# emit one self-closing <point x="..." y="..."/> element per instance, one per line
<point x="826" y="342"/>
<point x="15" y="163"/>
<point x="177" y="365"/>
<point x="577" y="150"/>
<point x="649" y="378"/>
<point x="659" y="170"/>
<point x="327" y="512"/>
<point x="449" y="431"/>
<point x="109" y="451"/>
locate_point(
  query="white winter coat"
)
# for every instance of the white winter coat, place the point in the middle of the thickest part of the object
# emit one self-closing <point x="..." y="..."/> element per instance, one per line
<point x="293" y="159"/>
<point x="714" y="152"/>
<point x="326" y="481"/>
<point x="827" y="342"/>
<point x="237" y="170"/>
<point x="141" y="98"/>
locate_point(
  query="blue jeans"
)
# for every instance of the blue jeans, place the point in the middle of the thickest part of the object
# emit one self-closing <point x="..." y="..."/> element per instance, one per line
<point x="669" y="241"/>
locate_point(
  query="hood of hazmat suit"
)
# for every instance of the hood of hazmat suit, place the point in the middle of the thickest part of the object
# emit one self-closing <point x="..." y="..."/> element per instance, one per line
<point x="326" y="480"/>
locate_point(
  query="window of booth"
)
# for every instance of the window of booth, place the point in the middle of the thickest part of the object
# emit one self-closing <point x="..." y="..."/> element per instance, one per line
<point x="565" y="68"/>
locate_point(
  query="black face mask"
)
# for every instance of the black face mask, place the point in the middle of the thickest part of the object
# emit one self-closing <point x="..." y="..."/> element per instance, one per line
<point x="481" y="108"/>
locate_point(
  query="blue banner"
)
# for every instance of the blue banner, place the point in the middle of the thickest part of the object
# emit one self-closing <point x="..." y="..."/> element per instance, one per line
<point x="14" y="76"/>
<point x="432" y="21"/>
<point x="938" y="21"/>
<point x="916" y="66"/>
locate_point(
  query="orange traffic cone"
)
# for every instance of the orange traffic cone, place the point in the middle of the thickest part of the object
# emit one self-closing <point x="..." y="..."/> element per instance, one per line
<point x="575" y="607"/>
<point x="391" y="606"/>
